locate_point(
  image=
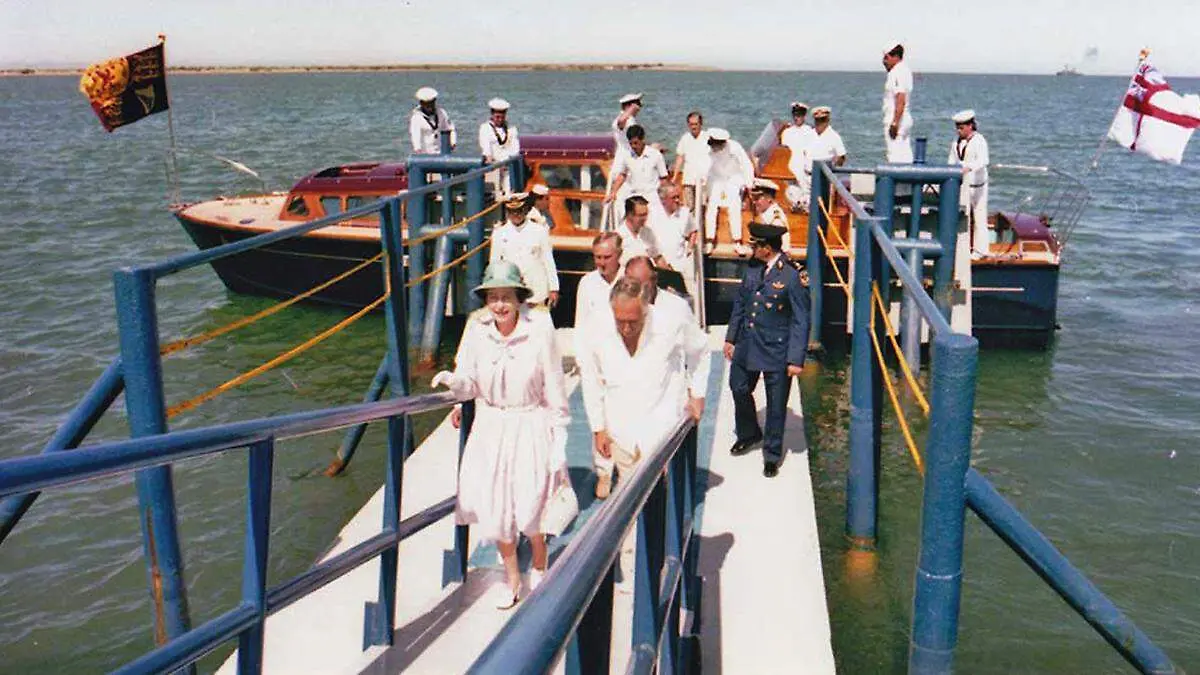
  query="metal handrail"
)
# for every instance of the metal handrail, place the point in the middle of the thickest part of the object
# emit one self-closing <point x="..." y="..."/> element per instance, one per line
<point x="538" y="634"/>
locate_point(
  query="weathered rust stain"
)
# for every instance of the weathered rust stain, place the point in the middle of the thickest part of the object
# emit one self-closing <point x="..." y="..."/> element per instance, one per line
<point x="156" y="582"/>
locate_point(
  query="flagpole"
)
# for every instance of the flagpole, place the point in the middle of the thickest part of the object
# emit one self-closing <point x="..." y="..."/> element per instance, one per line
<point x="176" y="194"/>
<point x="1095" y="163"/>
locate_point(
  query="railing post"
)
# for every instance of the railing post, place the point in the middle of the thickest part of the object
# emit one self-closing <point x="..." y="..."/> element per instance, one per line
<point x="435" y="308"/>
<point x="444" y="142"/>
<point x="938" y="586"/>
<point x="910" y="317"/>
<point x="254" y="565"/>
<point x="516" y="175"/>
<point x="647" y="575"/>
<point x="475" y="264"/>
<point x="590" y="649"/>
<point x="462" y="533"/>
<point x="355" y="433"/>
<point x="137" y="321"/>
<point x="379" y="620"/>
<point x="862" y="483"/>
<point x="815" y="257"/>
<point x="947" y="235"/>
<point x="418" y="218"/>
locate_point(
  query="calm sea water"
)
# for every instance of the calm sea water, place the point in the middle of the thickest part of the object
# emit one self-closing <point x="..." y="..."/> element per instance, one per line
<point x="1093" y="440"/>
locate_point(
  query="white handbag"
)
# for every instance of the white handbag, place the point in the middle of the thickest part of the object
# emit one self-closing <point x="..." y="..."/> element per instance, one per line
<point x="561" y="509"/>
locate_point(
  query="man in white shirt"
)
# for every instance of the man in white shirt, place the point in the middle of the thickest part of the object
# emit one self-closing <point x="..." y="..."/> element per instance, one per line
<point x="527" y="245"/>
<point x="691" y="158"/>
<point x="428" y="122"/>
<point x="897" y="100"/>
<point x="970" y="150"/>
<point x="637" y="172"/>
<point x="827" y="144"/>
<point x="498" y="140"/>
<point x="631" y="105"/>
<point x="665" y="302"/>
<point x="676" y="233"/>
<point x="798" y="137"/>
<point x="634" y="390"/>
<point x="636" y="238"/>
<point x="730" y="173"/>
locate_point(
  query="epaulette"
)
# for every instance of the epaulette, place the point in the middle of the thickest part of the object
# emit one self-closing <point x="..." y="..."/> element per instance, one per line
<point x="801" y="269"/>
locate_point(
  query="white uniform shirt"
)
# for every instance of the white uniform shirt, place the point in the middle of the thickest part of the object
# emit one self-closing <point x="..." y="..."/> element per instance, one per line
<point x="973" y="154"/>
<point x="730" y="166"/>
<point x="498" y="144"/>
<point x="592" y="299"/>
<point x="425" y="132"/>
<point x="899" y="81"/>
<point x="827" y="145"/>
<point x="642" y="172"/>
<point x="800" y="140"/>
<point x="528" y="247"/>
<point x="671" y="231"/>
<point x="639" y="398"/>
<point x="643" y="243"/>
<point x="619" y="134"/>
<point x="694" y="151"/>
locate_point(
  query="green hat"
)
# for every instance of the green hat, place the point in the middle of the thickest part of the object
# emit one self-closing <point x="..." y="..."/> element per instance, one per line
<point x="503" y="274"/>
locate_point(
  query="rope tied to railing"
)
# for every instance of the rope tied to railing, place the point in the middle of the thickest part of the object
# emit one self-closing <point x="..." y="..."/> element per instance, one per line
<point x="434" y="234"/>
<point x="891" y="388"/>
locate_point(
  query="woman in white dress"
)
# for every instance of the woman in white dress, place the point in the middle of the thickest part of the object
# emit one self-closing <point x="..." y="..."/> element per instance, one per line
<point x="515" y="456"/>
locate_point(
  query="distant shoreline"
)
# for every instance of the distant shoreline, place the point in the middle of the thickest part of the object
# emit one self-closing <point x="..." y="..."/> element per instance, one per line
<point x="388" y="68"/>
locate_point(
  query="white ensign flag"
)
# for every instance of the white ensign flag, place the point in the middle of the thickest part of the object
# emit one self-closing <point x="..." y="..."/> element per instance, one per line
<point x="1154" y="120"/>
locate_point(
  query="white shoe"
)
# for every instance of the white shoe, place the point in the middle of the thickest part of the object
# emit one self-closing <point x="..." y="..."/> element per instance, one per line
<point x="535" y="578"/>
<point x="708" y="247"/>
<point x="978" y="255"/>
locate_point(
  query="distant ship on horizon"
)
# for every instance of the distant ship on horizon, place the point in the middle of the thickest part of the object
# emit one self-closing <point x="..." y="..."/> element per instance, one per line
<point x="1067" y="71"/>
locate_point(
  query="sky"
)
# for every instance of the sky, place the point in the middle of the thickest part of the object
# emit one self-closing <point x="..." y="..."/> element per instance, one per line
<point x="1012" y="36"/>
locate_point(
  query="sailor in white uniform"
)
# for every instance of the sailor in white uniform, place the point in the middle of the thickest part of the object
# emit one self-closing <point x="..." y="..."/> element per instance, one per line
<point x="767" y="211"/>
<point x="428" y="122"/>
<point x="827" y="145"/>
<point x="897" y="102"/>
<point x="631" y="105"/>
<point x="539" y="210"/>
<point x="528" y="246"/>
<point x="498" y="140"/>
<point x="730" y="173"/>
<point x="970" y="150"/>
<point x="637" y="172"/>
<point x="799" y="138"/>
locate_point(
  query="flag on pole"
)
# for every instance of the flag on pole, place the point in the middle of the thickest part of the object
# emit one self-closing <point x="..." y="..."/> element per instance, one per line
<point x="1152" y="119"/>
<point x="126" y="89"/>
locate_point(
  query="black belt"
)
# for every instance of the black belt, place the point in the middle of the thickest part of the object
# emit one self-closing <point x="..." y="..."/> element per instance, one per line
<point x="977" y="185"/>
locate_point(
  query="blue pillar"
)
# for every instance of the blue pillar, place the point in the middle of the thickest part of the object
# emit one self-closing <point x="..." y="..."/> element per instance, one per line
<point x="418" y="218"/>
<point x="516" y="174"/>
<point x="475" y="263"/>
<point x="254" y="564"/>
<point x="379" y="620"/>
<point x="462" y="533"/>
<point x="938" y="586"/>
<point x="910" y="317"/>
<point x="862" y="484"/>
<point x="355" y="433"/>
<point x="444" y="142"/>
<point x="137" y="321"/>
<point x="435" y="310"/>
<point x="815" y="257"/>
<point x="947" y="235"/>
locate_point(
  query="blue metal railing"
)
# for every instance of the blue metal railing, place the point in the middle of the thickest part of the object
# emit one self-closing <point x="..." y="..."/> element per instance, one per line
<point x="138" y="371"/>
<point x="950" y="484"/>
<point x="570" y="613"/>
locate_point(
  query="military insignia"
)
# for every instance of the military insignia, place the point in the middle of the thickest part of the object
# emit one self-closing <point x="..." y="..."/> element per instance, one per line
<point x="804" y="278"/>
<point x="769" y="305"/>
<point x="777" y="285"/>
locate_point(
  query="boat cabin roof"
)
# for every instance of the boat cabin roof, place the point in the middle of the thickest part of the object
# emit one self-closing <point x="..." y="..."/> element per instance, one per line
<point x="371" y="177"/>
<point x="564" y="146"/>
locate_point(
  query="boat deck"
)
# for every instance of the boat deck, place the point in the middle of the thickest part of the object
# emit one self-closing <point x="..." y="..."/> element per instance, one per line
<point x="763" y="606"/>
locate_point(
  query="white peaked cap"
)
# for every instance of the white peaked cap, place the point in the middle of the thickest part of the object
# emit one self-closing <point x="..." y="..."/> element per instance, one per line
<point x="630" y="98"/>
<point x="821" y="111"/>
<point x="766" y="184"/>
<point x="540" y="190"/>
<point x="717" y="134"/>
<point x="963" y="116"/>
<point x="426" y="94"/>
<point x="498" y="104"/>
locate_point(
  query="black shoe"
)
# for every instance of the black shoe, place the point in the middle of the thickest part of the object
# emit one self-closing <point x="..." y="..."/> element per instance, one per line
<point x="770" y="469"/>
<point x="742" y="447"/>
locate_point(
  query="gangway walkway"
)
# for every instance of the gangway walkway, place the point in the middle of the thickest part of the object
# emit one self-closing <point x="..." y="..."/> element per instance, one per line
<point x="763" y="607"/>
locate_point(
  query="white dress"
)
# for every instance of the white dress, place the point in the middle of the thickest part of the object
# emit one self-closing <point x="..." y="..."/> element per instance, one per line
<point x="515" y="455"/>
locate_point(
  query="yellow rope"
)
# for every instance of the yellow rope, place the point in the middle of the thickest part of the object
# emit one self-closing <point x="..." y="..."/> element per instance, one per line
<point x="908" y="374"/>
<point x="833" y="263"/>
<point x="452" y="263"/>
<point x="178" y="345"/>
<point x="282" y="358"/>
<point x="891" y="390"/>
<point x="439" y="232"/>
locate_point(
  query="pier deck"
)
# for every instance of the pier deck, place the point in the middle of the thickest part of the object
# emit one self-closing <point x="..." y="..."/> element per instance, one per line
<point x="763" y="606"/>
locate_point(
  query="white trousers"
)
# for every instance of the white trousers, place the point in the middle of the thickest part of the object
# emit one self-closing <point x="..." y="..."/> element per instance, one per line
<point x="729" y="195"/>
<point x="975" y="201"/>
<point x="899" y="149"/>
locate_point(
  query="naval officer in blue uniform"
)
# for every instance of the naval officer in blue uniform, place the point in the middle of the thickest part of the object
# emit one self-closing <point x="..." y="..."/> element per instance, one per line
<point x="768" y="335"/>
